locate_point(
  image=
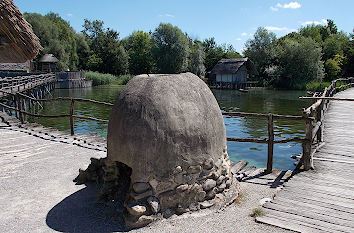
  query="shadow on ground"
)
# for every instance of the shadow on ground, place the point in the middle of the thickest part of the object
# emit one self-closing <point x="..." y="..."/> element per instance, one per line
<point x="82" y="213"/>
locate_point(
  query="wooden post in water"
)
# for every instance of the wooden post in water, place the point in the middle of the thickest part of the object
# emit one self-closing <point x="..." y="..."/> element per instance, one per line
<point x="71" y="117"/>
<point x="306" y="146"/>
<point x="270" y="143"/>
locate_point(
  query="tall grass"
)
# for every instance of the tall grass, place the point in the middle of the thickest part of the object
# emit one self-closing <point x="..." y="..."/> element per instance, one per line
<point x="124" y="79"/>
<point x="99" y="78"/>
<point x="106" y="79"/>
<point x="317" y="86"/>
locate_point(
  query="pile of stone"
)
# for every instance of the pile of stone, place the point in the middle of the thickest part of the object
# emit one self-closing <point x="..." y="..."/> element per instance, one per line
<point x="166" y="150"/>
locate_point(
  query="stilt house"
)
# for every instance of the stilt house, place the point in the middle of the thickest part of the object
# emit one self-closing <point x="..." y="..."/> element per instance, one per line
<point x="232" y="73"/>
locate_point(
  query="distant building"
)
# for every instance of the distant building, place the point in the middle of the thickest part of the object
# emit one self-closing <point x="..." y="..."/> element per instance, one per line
<point x="232" y="73"/>
<point x="48" y="63"/>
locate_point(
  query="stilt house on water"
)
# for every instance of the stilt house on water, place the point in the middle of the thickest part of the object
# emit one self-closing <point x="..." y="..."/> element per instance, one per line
<point x="232" y="73"/>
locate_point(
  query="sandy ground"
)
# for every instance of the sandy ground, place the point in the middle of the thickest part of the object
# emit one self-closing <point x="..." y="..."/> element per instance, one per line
<point x="37" y="192"/>
<point x="235" y="218"/>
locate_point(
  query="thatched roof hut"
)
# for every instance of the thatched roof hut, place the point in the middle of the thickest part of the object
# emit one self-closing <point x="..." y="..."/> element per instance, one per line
<point x="18" y="43"/>
<point x="232" y="66"/>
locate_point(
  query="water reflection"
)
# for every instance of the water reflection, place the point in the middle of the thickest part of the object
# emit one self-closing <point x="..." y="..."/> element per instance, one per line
<point x="256" y="100"/>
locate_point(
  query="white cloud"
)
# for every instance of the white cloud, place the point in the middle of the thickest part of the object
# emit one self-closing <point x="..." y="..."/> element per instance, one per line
<point x="290" y="5"/>
<point x="167" y="15"/>
<point x="244" y="34"/>
<point x="69" y="15"/>
<point x="238" y="39"/>
<point x="284" y="29"/>
<point x="322" y="21"/>
<point x="274" y="8"/>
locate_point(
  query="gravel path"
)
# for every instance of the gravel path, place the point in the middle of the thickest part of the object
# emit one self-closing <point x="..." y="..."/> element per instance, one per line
<point x="37" y="192"/>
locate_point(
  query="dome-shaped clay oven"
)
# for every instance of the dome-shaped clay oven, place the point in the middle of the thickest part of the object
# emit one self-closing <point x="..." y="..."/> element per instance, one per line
<point x="161" y="123"/>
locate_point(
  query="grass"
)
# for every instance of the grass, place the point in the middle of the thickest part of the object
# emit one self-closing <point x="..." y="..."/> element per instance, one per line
<point x="258" y="212"/>
<point x="319" y="86"/>
<point x="99" y="78"/>
<point x="106" y="79"/>
<point x="123" y="79"/>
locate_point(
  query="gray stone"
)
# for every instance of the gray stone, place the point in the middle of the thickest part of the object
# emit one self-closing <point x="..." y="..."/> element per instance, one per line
<point x="211" y="194"/>
<point x="220" y="180"/>
<point x="221" y="187"/>
<point x="158" y="123"/>
<point x="178" y="169"/>
<point x="205" y="204"/>
<point x="154" y="204"/>
<point x="140" y="222"/>
<point x="181" y="210"/>
<point x="168" y="213"/>
<point x="209" y="184"/>
<point x="228" y="183"/>
<point x="136" y="210"/>
<point x="194" y="169"/>
<point x="218" y="162"/>
<point x="139" y="196"/>
<point x="182" y="188"/>
<point x="208" y="164"/>
<point x="214" y="175"/>
<point x="182" y="178"/>
<point x="141" y="187"/>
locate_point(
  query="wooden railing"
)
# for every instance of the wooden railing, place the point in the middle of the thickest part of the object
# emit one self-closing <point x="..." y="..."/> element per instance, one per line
<point x="21" y="83"/>
<point x="270" y="140"/>
<point x="21" y="112"/>
<point x="314" y="128"/>
<point x="313" y="117"/>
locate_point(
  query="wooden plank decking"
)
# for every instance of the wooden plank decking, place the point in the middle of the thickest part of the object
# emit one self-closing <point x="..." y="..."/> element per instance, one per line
<point x="322" y="200"/>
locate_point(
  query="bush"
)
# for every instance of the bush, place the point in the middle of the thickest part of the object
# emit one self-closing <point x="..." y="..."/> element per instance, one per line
<point x="99" y="78"/>
<point x="124" y="79"/>
<point x="317" y="86"/>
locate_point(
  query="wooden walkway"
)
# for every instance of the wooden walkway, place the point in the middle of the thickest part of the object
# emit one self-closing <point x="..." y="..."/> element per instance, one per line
<point x="322" y="200"/>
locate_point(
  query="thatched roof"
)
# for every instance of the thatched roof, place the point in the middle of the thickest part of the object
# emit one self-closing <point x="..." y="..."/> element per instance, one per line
<point x="18" y="43"/>
<point x="231" y="66"/>
<point x="48" y="58"/>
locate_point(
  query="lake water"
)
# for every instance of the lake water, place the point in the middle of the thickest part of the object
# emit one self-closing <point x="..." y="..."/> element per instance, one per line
<point x="256" y="100"/>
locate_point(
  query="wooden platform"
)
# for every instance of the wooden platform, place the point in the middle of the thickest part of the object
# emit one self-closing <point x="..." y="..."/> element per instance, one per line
<point x="322" y="200"/>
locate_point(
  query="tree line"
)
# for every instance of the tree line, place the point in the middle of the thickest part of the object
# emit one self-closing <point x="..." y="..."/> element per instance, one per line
<point x="313" y="53"/>
<point x="96" y="48"/>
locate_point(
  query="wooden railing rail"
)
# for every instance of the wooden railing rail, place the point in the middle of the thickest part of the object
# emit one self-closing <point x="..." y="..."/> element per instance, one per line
<point x="21" y="113"/>
<point x="315" y="117"/>
<point x="20" y="83"/>
<point x="270" y="140"/>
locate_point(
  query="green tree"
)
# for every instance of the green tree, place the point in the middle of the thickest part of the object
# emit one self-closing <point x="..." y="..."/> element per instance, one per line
<point x="332" y="70"/>
<point x="170" y="49"/>
<point x="83" y="51"/>
<point x="107" y="54"/>
<point x="197" y="56"/>
<point x="299" y="62"/>
<point x="213" y="53"/>
<point x="334" y="44"/>
<point x="56" y="37"/>
<point x="139" y="47"/>
<point x="261" y="50"/>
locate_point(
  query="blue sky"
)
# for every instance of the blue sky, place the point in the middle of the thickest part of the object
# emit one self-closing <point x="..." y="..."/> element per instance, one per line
<point x="229" y="21"/>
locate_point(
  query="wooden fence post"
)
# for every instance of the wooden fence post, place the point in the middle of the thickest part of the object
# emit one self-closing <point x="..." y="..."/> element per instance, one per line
<point x="319" y="118"/>
<point x="270" y="143"/>
<point x="306" y="146"/>
<point x="19" y="104"/>
<point x="71" y="117"/>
